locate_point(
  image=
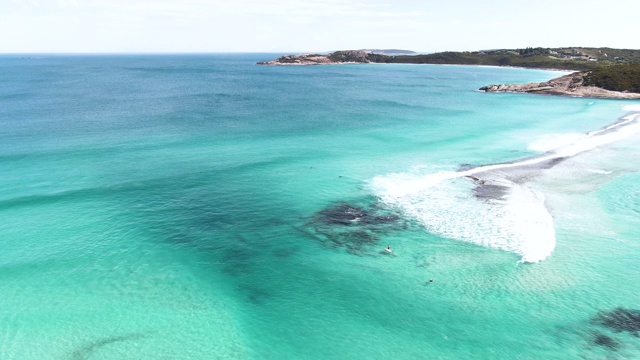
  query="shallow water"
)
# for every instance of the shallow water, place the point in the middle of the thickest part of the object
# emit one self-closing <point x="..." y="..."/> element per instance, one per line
<point x="185" y="207"/>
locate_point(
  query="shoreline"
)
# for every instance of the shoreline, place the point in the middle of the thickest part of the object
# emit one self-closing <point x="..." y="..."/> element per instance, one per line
<point x="572" y="82"/>
<point x="564" y="71"/>
<point x="569" y="84"/>
<point x="272" y="63"/>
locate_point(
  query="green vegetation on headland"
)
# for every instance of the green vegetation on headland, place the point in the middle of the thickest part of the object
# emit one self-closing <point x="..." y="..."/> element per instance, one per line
<point x="623" y="77"/>
<point x="545" y="58"/>
<point x="574" y="84"/>
<point x="606" y="68"/>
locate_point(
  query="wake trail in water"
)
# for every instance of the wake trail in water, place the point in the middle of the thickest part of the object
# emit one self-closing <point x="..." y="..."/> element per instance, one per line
<point x="501" y="208"/>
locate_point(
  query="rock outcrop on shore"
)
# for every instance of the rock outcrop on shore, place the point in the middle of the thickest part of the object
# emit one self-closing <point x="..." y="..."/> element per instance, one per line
<point x="568" y="85"/>
<point x="338" y="57"/>
<point x="305" y="59"/>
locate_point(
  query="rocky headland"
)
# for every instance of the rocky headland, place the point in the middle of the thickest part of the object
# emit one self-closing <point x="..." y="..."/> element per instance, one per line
<point x="575" y="59"/>
<point x="599" y="72"/>
<point x="567" y="85"/>
<point x="338" y="57"/>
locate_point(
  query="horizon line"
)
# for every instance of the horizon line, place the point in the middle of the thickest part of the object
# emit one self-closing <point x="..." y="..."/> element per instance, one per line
<point x="268" y="52"/>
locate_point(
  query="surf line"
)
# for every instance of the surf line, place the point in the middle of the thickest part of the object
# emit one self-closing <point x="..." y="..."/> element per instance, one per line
<point x="515" y="218"/>
<point x="626" y="127"/>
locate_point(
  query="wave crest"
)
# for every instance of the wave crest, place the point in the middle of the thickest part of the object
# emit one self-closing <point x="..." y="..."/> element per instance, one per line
<point x="500" y="209"/>
<point x="515" y="221"/>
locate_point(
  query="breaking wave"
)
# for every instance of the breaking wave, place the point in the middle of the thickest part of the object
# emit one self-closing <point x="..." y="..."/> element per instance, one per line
<point x="496" y="205"/>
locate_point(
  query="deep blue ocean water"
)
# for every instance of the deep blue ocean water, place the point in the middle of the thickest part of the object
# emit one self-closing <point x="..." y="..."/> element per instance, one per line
<point x="201" y="206"/>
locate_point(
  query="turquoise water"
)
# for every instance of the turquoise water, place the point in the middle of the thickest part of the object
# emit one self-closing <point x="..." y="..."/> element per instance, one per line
<point x="200" y="206"/>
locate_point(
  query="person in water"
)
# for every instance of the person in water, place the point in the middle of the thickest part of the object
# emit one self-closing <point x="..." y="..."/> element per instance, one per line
<point x="388" y="247"/>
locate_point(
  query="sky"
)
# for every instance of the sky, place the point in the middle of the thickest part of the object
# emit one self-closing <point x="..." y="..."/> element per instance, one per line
<point x="288" y="26"/>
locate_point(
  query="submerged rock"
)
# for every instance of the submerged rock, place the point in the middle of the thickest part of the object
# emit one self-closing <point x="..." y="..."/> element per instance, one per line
<point x="605" y="341"/>
<point x="619" y="320"/>
<point x="352" y="227"/>
<point x="342" y="213"/>
<point x="488" y="191"/>
<point x="346" y="214"/>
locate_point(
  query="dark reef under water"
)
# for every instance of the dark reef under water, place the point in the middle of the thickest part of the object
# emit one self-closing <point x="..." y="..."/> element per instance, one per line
<point x="616" y="321"/>
<point x="619" y="320"/>
<point x="86" y="351"/>
<point x="605" y="341"/>
<point x="351" y="226"/>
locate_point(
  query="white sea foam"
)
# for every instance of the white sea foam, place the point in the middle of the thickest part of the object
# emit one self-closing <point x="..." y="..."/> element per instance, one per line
<point x="553" y="141"/>
<point x="515" y="217"/>
<point x="517" y="222"/>
<point x="635" y="107"/>
<point x="601" y="172"/>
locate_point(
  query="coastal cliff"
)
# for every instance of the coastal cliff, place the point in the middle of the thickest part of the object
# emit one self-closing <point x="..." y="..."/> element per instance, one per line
<point x="568" y="85"/>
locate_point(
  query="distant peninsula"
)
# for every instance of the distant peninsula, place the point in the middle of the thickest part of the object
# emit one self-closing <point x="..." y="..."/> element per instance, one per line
<point x="573" y="58"/>
<point x="364" y="56"/>
<point x="599" y="72"/>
